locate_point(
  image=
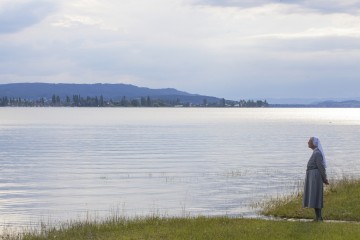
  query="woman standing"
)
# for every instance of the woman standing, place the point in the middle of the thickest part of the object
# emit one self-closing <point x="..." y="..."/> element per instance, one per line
<point x="315" y="177"/>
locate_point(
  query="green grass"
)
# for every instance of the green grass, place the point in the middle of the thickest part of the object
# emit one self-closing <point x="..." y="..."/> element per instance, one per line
<point x="341" y="202"/>
<point x="203" y="228"/>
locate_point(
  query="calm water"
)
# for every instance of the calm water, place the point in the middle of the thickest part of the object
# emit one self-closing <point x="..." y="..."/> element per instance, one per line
<point x="61" y="164"/>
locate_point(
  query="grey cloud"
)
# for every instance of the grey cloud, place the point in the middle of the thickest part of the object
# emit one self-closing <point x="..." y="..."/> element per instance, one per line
<point x="234" y="3"/>
<point x="15" y="17"/>
<point x="345" y="6"/>
<point x="310" y="44"/>
<point x="288" y="68"/>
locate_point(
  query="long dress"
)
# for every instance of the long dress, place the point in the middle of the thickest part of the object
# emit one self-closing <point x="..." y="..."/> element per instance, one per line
<point x="315" y="177"/>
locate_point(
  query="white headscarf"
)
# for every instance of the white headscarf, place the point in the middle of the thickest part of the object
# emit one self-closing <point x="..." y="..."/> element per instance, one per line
<point x="317" y="143"/>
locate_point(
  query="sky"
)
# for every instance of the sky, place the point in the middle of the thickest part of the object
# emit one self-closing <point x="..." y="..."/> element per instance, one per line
<point x="236" y="49"/>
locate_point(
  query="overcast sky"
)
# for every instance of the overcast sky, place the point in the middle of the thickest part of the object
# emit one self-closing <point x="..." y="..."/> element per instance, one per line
<point x="225" y="48"/>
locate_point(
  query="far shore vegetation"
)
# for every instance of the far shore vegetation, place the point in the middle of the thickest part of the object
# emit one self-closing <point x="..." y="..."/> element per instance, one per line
<point x="342" y="203"/>
<point x="100" y="101"/>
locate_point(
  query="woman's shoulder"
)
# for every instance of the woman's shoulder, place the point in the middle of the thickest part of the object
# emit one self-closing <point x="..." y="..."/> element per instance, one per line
<point x="317" y="153"/>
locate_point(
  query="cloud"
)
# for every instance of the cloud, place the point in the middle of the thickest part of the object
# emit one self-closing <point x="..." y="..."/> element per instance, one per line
<point x="322" y="6"/>
<point x="18" y="15"/>
<point x="249" y="49"/>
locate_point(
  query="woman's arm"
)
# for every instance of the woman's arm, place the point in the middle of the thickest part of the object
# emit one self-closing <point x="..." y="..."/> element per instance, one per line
<point x="320" y="166"/>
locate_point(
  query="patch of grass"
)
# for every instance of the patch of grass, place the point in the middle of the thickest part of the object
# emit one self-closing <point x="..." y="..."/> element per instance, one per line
<point x="201" y="228"/>
<point x="341" y="202"/>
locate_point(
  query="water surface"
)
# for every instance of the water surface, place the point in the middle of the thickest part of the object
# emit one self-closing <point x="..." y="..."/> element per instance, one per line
<point x="59" y="164"/>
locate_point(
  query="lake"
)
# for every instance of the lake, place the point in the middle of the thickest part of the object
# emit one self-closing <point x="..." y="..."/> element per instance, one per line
<point x="60" y="164"/>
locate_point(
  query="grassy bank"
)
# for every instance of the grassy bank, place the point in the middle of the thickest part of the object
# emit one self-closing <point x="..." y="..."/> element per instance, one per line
<point x="342" y="202"/>
<point x="204" y="228"/>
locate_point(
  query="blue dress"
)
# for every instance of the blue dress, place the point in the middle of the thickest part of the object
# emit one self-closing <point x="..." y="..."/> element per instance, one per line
<point x="315" y="177"/>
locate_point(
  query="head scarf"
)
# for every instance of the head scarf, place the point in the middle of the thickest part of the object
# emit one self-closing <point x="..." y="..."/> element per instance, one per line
<point x="317" y="144"/>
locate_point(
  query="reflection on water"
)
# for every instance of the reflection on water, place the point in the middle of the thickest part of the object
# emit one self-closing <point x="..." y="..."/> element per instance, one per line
<point x="64" y="163"/>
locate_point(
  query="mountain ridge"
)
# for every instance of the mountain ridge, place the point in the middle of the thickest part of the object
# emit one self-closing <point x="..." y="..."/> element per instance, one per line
<point x="116" y="91"/>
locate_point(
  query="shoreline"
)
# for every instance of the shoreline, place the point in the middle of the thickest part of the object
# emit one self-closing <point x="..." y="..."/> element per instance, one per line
<point x="213" y="227"/>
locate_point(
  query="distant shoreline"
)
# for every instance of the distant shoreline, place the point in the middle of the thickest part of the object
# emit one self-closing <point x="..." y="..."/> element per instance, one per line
<point x="126" y="95"/>
<point x="185" y="106"/>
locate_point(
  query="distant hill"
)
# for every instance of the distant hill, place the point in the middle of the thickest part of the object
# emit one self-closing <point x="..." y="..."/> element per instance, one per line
<point x="324" y="104"/>
<point x="34" y="91"/>
<point x="334" y="104"/>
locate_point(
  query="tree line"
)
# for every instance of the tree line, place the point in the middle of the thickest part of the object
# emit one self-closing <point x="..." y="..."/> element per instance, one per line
<point x="100" y="101"/>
